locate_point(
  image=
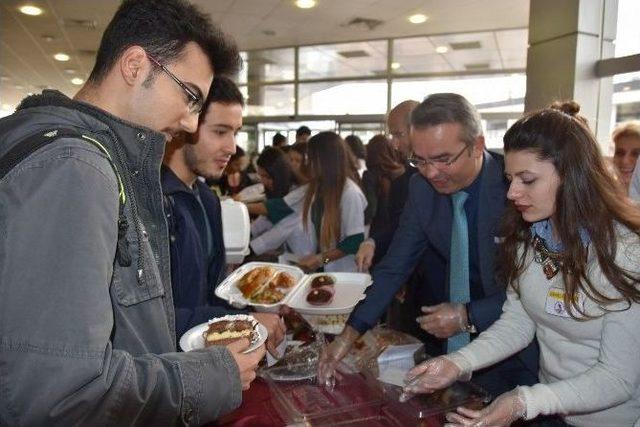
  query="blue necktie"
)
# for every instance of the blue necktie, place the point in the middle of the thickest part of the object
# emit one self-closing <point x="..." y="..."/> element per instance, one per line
<point x="459" y="264"/>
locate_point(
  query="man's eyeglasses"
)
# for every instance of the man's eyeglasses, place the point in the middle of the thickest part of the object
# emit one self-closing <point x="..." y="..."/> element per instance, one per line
<point x="194" y="101"/>
<point x="397" y="134"/>
<point x="419" y="162"/>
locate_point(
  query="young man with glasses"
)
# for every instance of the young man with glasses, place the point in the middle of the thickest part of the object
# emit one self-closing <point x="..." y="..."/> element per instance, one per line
<point x="87" y="332"/>
<point x="450" y="224"/>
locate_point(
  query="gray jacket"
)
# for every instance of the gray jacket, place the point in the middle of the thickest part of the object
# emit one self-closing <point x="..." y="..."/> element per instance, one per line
<point x="83" y="340"/>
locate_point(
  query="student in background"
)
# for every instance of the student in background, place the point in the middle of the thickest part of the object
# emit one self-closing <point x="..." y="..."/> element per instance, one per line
<point x="626" y="141"/>
<point x="333" y="206"/>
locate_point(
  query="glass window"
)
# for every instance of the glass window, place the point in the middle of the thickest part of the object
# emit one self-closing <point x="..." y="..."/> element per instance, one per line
<point x="491" y="93"/>
<point x="269" y="65"/>
<point x="350" y="97"/>
<point x="242" y="75"/>
<point x="628" y="30"/>
<point x="268" y="100"/>
<point x="489" y="50"/>
<point x="343" y="60"/>
<point x="626" y="97"/>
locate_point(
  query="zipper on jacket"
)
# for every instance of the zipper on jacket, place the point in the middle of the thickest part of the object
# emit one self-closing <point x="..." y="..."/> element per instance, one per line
<point x="134" y="208"/>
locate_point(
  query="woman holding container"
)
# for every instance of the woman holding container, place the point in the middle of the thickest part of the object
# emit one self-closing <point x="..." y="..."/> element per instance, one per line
<point x="571" y="257"/>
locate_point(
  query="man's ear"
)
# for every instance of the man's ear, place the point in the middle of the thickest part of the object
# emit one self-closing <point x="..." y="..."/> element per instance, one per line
<point x="478" y="146"/>
<point x="134" y="65"/>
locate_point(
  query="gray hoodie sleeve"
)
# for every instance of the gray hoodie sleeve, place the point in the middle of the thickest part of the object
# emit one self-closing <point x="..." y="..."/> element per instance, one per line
<point x="57" y="366"/>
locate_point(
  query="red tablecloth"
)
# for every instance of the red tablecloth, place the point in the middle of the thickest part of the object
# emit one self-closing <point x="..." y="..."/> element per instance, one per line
<point x="257" y="410"/>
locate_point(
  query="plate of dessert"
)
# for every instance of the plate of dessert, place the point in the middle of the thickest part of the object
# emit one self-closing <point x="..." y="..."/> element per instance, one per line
<point x="223" y="331"/>
<point x="329" y="293"/>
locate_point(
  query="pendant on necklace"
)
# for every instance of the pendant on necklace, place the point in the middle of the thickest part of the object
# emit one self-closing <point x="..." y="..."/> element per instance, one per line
<point x="550" y="268"/>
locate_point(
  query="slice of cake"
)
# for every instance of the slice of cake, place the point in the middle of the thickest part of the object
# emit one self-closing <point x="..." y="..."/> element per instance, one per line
<point x="225" y="332"/>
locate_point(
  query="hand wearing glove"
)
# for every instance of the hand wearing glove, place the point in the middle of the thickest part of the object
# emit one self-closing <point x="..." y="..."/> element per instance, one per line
<point x="506" y="409"/>
<point x="434" y="374"/>
<point x="334" y="353"/>
<point x="275" y="328"/>
<point x="444" y="320"/>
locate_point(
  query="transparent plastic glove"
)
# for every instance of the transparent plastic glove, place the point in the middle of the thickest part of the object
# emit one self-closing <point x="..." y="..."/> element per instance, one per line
<point x="443" y="320"/>
<point x="364" y="256"/>
<point x="334" y="353"/>
<point x="506" y="409"/>
<point x="429" y="376"/>
<point x="275" y="328"/>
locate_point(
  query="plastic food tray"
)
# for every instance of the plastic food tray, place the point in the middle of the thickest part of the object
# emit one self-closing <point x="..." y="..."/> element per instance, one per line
<point x="356" y="396"/>
<point x="349" y="289"/>
<point x="438" y="403"/>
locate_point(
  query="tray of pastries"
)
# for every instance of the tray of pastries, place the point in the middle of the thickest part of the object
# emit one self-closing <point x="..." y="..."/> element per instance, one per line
<point x="260" y="284"/>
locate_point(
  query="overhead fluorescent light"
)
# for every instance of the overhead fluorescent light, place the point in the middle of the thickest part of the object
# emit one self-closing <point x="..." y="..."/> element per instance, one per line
<point x="418" y="18"/>
<point x="30" y="10"/>
<point x="305" y="4"/>
<point x="77" y="81"/>
<point x="395" y="65"/>
<point x="62" y="57"/>
<point x="442" y="49"/>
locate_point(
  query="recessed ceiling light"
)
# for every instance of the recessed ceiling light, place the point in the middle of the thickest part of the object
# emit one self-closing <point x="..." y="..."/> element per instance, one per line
<point x="395" y="65"/>
<point x="63" y="57"/>
<point x="27" y="9"/>
<point x="418" y="18"/>
<point x="626" y="88"/>
<point x="442" y="49"/>
<point x="305" y="4"/>
<point x="77" y="81"/>
<point x="70" y="71"/>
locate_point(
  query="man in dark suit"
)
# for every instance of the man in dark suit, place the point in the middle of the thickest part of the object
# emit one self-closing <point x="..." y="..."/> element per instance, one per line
<point x="450" y="222"/>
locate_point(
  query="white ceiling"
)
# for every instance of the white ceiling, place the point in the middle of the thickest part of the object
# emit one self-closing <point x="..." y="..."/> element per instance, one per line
<point x="27" y="43"/>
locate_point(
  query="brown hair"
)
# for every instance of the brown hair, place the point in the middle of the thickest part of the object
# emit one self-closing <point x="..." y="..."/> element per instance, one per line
<point x="328" y="162"/>
<point x="587" y="198"/>
<point x="382" y="160"/>
<point x="626" y="129"/>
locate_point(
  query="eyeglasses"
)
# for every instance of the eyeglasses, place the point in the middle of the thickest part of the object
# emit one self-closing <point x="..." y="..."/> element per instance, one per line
<point x="398" y="134"/>
<point x="195" y="101"/>
<point x="418" y="162"/>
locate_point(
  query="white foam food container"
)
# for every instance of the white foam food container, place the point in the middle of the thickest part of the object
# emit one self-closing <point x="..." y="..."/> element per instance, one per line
<point x="236" y="230"/>
<point x="349" y="290"/>
<point x="227" y="290"/>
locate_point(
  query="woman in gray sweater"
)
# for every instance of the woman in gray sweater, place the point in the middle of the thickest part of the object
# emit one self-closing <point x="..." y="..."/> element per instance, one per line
<point x="571" y="256"/>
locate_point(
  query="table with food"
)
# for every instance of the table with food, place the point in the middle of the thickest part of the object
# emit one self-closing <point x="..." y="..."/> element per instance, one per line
<point x="315" y="307"/>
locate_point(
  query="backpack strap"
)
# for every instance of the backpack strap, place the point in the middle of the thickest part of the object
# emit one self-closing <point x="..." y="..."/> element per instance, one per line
<point x="38" y="140"/>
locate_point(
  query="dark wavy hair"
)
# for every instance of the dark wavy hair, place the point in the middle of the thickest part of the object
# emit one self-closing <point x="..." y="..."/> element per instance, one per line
<point x="274" y="161"/>
<point x="328" y="161"/>
<point x="163" y="28"/>
<point x="587" y="198"/>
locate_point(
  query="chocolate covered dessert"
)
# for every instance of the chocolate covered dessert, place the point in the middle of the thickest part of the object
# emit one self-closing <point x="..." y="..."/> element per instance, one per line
<point x="225" y="332"/>
<point x="320" y="296"/>
<point x="323" y="280"/>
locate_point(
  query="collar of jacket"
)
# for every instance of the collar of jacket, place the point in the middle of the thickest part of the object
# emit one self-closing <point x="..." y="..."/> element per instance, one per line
<point x="171" y="184"/>
<point x="138" y="142"/>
